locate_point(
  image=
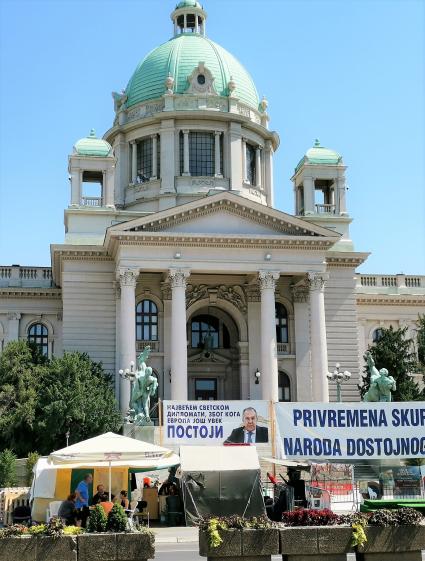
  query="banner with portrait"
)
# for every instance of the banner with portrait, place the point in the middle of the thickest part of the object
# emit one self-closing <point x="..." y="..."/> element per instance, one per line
<point x="216" y="422"/>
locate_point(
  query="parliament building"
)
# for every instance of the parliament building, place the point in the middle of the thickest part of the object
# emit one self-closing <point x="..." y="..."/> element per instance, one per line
<point x="172" y="240"/>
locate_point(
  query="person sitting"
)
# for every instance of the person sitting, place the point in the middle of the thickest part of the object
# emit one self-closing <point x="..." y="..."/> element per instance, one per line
<point x="124" y="502"/>
<point x="67" y="510"/>
<point x="101" y="496"/>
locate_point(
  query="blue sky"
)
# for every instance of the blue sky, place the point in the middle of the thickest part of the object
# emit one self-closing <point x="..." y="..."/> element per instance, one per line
<point x="348" y="72"/>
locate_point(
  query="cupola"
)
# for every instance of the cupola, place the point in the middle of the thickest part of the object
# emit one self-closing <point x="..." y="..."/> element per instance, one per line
<point x="189" y="17"/>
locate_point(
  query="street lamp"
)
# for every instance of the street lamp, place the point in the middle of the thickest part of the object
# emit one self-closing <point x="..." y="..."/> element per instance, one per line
<point x="338" y="377"/>
<point x="257" y="376"/>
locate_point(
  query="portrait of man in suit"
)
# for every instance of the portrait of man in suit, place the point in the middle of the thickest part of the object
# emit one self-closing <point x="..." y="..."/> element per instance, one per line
<point x="250" y="433"/>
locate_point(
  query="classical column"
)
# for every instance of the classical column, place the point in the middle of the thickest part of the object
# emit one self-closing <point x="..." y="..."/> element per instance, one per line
<point x="186" y="152"/>
<point x="128" y="279"/>
<point x="217" y="155"/>
<point x="341" y="196"/>
<point x="75" y="188"/>
<point x="300" y="296"/>
<point x="154" y="156"/>
<point x="308" y="186"/>
<point x="177" y="279"/>
<point x="268" y="165"/>
<point x="13" y="326"/>
<point x="258" y="166"/>
<point x="243" y="159"/>
<point x="108" y="191"/>
<point x="269" y="374"/>
<point x="133" y="161"/>
<point x="319" y="349"/>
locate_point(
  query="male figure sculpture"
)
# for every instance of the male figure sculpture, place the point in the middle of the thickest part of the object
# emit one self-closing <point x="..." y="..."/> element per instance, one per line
<point x="381" y="383"/>
<point x="144" y="387"/>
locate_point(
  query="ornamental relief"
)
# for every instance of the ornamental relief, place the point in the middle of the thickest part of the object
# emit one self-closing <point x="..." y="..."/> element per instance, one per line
<point x="233" y="294"/>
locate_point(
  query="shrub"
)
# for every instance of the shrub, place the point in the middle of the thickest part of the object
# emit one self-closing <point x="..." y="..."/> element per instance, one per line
<point x="54" y="527"/>
<point x="7" y="468"/>
<point x="38" y="530"/>
<point x="383" y="517"/>
<point x="117" y="519"/>
<point x="408" y="517"/>
<point x="97" y="520"/>
<point x="73" y="530"/>
<point x="310" y="517"/>
<point x="14" y="530"/>
<point x="213" y="524"/>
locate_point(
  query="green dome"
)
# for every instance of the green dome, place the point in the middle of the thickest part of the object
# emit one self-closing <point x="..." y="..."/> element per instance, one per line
<point x="178" y="57"/>
<point x="320" y="155"/>
<point x="188" y="4"/>
<point x="92" y="146"/>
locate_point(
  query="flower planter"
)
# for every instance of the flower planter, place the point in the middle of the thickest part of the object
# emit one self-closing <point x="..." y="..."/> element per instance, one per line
<point x="244" y="545"/>
<point x="85" y="547"/>
<point x="393" y="543"/>
<point x="314" y="543"/>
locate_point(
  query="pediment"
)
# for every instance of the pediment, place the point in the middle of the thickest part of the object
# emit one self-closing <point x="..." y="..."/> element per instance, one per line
<point x="224" y="214"/>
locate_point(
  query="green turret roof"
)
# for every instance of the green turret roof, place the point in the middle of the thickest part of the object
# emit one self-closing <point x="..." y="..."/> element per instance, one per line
<point x="178" y="57"/>
<point x="320" y="155"/>
<point x="188" y="4"/>
<point x="92" y="146"/>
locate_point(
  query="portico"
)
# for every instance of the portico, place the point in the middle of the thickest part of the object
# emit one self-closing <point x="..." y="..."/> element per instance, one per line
<point x="182" y="254"/>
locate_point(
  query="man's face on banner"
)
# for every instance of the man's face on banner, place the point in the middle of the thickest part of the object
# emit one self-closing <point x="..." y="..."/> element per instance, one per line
<point x="250" y="420"/>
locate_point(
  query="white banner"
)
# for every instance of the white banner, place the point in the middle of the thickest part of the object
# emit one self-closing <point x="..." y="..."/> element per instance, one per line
<point x="351" y="431"/>
<point x="216" y="422"/>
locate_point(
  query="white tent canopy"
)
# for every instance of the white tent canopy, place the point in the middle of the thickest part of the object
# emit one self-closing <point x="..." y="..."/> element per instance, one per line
<point x="218" y="458"/>
<point x="116" y="449"/>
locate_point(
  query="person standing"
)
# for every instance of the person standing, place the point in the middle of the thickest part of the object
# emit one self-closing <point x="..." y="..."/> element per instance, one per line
<point x="82" y="502"/>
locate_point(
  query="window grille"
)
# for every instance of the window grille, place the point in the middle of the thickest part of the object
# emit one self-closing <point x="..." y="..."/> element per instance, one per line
<point x="144" y="159"/>
<point x="250" y="164"/>
<point x="146" y="321"/>
<point x="281" y="316"/>
<point x="38" y="335"/>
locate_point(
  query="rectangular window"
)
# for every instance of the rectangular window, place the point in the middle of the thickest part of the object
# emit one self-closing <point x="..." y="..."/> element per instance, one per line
<point x="250" y="164"/>
<point x="201" y="153"/>
<point x="144" y="159"/>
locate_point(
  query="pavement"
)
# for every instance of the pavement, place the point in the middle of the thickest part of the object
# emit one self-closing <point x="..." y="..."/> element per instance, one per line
<point x="177" y="534"/>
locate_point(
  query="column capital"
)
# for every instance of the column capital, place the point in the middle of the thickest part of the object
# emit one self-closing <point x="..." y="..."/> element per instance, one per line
<point x="217" y="133"/>
<point x="133" y="142"/>
<point x="178" y="277"/>
<point x="316" y="281"/>
<point x="155" y="135"/>
<point x="185" y="131"/>
<point x="128" y="277"/>
<point x="267" y="279"/>
<point x="13" y="316"/>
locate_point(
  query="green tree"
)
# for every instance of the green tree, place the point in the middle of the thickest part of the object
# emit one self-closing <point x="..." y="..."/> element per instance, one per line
<point x="75" y="394"/>
<point x="29" y="466"/>
<point x="396" y="353"/>
<point x="21" y="369"/>
<point x="7" y="468"/>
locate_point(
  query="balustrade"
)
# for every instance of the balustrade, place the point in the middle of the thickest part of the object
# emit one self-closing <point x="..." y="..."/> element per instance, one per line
<point x="392" y="281"/>
<point x="154" y="345"/>
<point x="325" y="209"/>
<point x="283" y="348"/>
<point x="91" y="201"/>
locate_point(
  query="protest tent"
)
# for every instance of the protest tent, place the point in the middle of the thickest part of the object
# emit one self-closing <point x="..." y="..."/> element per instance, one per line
<point x="220" y="480"/>
<point x="108" y="457"/>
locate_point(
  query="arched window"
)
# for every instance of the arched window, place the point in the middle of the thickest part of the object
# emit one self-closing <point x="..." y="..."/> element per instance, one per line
<point x="284" y="387"/>
<point x="281" y="323"/>
<point x="377" y="335"/>
<point x="146" y="321"/>
<point x="204" y="326"/>
<point x="38" y="334"/>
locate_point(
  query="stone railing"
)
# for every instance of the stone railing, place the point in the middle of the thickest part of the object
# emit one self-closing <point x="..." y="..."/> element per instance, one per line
<point x="283" y="348"/>
<point x="154" y="345"/>
<point x="325" y="209"/>
<point x="407" y="283"/>
<point x="17" y="276"/>
<point x="91" y="201"/>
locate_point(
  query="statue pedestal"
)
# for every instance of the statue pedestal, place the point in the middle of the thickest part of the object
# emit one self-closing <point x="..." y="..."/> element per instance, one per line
<point x="144" y="433"/>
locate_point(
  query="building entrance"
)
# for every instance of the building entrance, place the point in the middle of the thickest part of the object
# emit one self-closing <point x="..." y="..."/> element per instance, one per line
<point x="205" y="389"/>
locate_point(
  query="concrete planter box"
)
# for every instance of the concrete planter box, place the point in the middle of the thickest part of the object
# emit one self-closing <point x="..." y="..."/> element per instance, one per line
<point x="86" y="547"/>
<point x="314" y="543"/>
<point x="244" y="545"/>
<point x="393" y="543"/>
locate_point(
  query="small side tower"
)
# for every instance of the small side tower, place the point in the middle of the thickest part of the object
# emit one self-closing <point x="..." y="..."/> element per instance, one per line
<point x="320" y="192"/>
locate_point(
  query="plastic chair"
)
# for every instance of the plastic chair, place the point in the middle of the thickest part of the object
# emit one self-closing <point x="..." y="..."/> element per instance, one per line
<point x="21" y="515"/>
<point x="52" y="510"/>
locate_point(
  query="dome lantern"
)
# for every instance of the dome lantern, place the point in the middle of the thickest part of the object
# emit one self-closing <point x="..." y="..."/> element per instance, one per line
<point x="189" y="17"/>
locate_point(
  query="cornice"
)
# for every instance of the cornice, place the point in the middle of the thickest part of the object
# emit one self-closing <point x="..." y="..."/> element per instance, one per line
<point x="348" y="260"/>
<point x="392" y="299"/>
<point x="50" y="293"/>
<point x="220" y="241"/>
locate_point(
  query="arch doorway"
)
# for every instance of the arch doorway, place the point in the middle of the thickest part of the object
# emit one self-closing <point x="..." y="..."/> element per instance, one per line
<point x="213" y="355"/>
